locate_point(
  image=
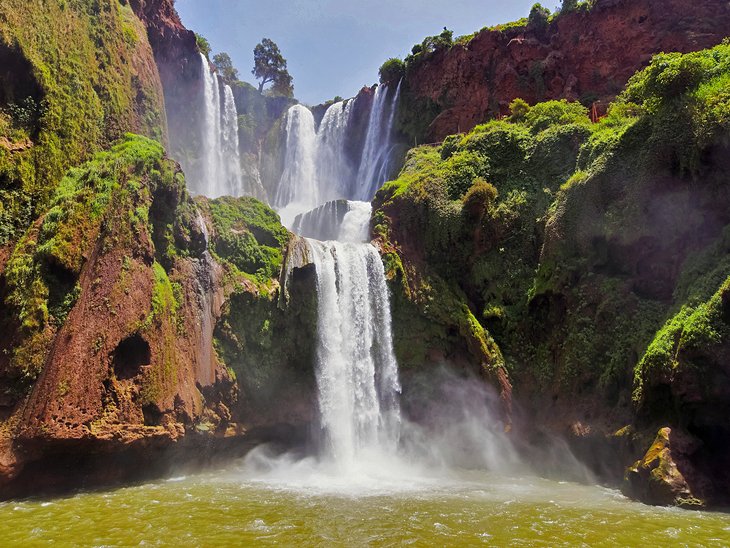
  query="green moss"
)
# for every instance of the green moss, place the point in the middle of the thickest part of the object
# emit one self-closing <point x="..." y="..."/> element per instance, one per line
<point x="81" y="67"/>
<point x="577" y="310"/>
<point x="44" y="268"/>
<point x="248" y="234"/>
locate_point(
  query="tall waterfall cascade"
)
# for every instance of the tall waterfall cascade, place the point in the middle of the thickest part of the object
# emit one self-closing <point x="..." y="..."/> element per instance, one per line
<point x="376" y="156"/>
<point x="318" y="167"/>
<point x="220" y="173"/>
<point x="357" y="373"/>
<point x="324" y="195"/>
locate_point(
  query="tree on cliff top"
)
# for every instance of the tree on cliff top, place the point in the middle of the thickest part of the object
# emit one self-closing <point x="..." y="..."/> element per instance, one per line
<point x="225" y="67"/>
<point x="270" y="67"/>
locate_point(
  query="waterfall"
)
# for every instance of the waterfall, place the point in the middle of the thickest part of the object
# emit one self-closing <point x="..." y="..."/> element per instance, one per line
<point x="317" y="167"/>
<point x="298" y="185"/>
<point x="334" y="171"/>
<point x="375" y="160"/>
<point x="230" y="154"/>
<point x="357" y="374"/>
<point x="341" y="220"/>
<point x="211" y="132"/>
<point x="221" y="160"/>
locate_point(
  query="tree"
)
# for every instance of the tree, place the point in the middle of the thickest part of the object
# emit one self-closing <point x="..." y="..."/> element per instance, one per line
<point x="568" y="5"/>
<point x="283" y="85"/>
<point x="392" y="71"/>
<point x="203" y="44"/>
<point x="270" y="67"/>
<point x="539" y="17"/>
<point x="223" y="63"/>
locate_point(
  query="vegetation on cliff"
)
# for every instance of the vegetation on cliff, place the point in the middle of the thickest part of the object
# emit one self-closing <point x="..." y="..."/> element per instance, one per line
<point x="572" y="242"/>
<point x="67" y="92"/>
<point x="42" y="275"/>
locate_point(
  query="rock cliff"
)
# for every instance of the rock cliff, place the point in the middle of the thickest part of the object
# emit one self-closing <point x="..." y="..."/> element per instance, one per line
<point x="587" y="55"/>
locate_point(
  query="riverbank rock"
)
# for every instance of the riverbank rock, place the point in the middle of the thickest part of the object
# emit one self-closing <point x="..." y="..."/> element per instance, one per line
<point x="658" y="478"/>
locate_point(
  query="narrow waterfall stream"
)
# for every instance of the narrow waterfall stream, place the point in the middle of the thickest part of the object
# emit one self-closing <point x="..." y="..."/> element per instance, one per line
<point x="221" y="162"/>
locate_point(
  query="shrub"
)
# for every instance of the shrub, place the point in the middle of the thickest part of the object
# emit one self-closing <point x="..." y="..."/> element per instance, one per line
<point x="548" y="113"/>
<point x="392" y="71"/>
<point x="478" y="199"/>
<point x="539" y="17"/>
<point x="203" y="45"/>
<point x="518" y="110"/>
<point x="461" y="170"/>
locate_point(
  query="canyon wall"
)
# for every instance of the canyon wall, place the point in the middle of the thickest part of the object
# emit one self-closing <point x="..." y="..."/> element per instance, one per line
<point x="586" y="55"/>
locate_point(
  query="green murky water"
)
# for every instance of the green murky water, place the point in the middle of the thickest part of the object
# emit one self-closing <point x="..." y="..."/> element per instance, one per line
<point x="227" y="508"/>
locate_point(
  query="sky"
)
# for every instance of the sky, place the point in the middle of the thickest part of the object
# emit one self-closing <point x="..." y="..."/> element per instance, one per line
<point x="335" y="47"/>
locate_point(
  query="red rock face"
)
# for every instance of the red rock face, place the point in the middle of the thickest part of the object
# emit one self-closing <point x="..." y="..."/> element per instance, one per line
<point x="176" y="54"/>
<point x="581" y="55"/>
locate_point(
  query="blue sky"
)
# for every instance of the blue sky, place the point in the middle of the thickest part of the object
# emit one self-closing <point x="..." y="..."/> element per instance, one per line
<point x="334" y="47"/>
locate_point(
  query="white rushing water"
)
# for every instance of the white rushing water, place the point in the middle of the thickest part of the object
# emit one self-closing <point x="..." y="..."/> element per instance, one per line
<point x="375" y="160"/>
<point x="334" y="170"/>
<point x="317" y="166"/>
<point x="221" y="160"/>
<point x="342" y="220"/>
<point x="357" y="374"/>
<point x="363" y="441"/>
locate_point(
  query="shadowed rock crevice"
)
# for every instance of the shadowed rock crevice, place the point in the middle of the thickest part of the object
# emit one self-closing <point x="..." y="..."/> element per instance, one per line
<point x="20" y="93"/>
<point x="130" y="356"/>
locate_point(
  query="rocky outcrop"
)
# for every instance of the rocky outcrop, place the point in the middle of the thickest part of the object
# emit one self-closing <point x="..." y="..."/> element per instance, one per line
<point x="586" y="54"/>
<point x="115" y="374"/>
<point x="66" y="93"/>
<point x="660" y="477"/>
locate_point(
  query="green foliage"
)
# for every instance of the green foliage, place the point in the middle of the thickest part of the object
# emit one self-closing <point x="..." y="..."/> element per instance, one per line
<point x="461" y="170"/>
<point x="685" y="341"/>
<point x="430" y="45"/>
<point x="479" y="199"/>
<point x="270" y="67"/>
<point x="392" y="71"/>
<point x="550" y="113"/>
<point x="248" y="234"/>
<point x="573" y="310"/>
<point x="688" y="103"/>
<point x="223" y="63"/>
<point x="518" y="110"/>
<point x="75" y="92"/>
<point x="203" y="45"/>
<point x="539" y="17"/>
<point x="44" y="268"/>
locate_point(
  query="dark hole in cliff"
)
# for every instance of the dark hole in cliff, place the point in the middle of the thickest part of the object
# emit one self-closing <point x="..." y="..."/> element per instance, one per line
<point x="21" y="96"/>
<point x="130" y="356"/>
<point x="152" y="415"/>
<point x="162" y="216"/>
<point x="62" y="291"/>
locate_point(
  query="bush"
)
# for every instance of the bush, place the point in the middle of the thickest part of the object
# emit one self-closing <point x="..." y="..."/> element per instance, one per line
<point x="518" y="110"/>
<point x="203" y="45"/>
<point x="544" y="115"/>
<point x="539" y="17"/>
<point x="392" y="71"/>
<point x="461" y="170"/>
<point x="479" y="199"/>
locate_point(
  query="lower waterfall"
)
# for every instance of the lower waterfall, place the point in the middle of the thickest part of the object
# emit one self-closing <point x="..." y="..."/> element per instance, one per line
<point x="357" y="373"/>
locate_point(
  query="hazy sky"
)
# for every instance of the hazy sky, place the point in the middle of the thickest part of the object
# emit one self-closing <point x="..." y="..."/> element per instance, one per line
<point x="336" y="47"/>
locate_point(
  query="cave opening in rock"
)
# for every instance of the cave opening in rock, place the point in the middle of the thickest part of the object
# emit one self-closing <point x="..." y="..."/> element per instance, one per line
<point x="152" y="415"/>
<point x="21" y="96"/>
<point x="130" y="356"/>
